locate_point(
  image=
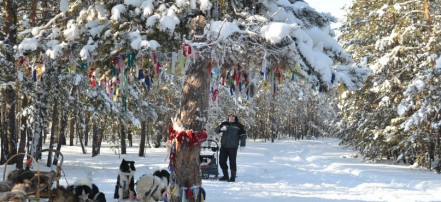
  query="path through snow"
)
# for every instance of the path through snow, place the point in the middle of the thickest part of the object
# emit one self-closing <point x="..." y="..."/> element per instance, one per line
<point x="288" y="170"/>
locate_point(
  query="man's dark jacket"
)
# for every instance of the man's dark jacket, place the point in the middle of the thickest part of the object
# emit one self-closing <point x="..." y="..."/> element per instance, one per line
<point x="230" y="137"/>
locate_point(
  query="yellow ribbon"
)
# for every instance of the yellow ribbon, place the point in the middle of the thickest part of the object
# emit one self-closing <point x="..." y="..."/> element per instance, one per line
<point x="265" y="86"/>
<point x="39" y="70"/>
<point x="342" y="89"/>
<point x="298" y="69"/>
<point x="115" y="98"/>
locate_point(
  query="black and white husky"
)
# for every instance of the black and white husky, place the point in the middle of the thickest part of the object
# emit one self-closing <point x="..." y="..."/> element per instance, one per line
<point x="125" y="184"/>
<point x="150" y="188"/>
<point x="164" y="175"/>
<point x="85" y="190"/>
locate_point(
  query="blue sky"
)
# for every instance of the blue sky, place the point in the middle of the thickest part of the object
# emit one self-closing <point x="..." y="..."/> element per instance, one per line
<point x="331" y="6"/>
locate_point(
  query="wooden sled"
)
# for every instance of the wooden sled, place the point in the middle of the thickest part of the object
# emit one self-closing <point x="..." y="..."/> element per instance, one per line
<point x="45" y="179"/>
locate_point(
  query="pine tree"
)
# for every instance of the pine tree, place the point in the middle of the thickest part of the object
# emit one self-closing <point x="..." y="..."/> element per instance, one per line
<point x="396" y="40"/>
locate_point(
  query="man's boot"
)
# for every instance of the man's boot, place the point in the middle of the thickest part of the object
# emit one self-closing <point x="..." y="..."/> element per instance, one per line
<point x="233" y="176"/>
<point x="225" y="177"/>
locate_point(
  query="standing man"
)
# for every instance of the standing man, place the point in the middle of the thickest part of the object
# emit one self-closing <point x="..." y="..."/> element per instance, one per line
<point x="232" y="133"/>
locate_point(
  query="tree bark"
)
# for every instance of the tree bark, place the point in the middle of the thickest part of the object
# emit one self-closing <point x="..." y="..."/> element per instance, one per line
<point x="4" y="138"/>
<point x="61" y="134"/>
<point x="123" y="137"/>
<point x="86" y="130"/>
<point x="23" y="134"/>
<point x="142" y="142"/>
<point x="149" y="132"/>
<point x="10" y="28"/>
<point x="130" y="137"/>
<point x="193" y="115"/>
<point x="53" y="131"/>
<point x="95" y="150"/>
<point x="33" y="14"/>
<point x="72" y="129"/>
<point x="63" y="127"/>
<point x="100" y="139"/>
<point x="81" y="129"/>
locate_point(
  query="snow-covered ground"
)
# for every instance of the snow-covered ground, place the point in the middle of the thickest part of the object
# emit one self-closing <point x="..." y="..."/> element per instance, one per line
<point x="288" y="170"/>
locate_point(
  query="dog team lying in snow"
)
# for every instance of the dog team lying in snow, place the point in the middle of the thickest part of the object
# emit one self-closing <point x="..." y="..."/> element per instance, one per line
<point x="149" y="187"/>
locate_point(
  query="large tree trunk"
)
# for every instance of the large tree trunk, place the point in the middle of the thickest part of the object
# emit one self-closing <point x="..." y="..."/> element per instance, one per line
<point x="123" y="137"/>
<point x="10" y="28"/>
<point x="61" y="134"/>
<point x="11" y="129"/>
<point x="97" y="137"/>
<point x="130" y="136"/>
<point x="53" y="131"/>
<point x="193" y="115"/>
<point x="72" y="129"/>
<point x="272" y="118"/>
<point x="86" y="129"/>
<point x="23" y="135"/>
<point x="149" y="132"/>
<point x="100" y="138"/>
<point x="63" y="127"/>
<point x="33" y="10"/>
<point x="142" y="142"/>
<point x="4" y="139"/>
<point x="38" y="127"/>
<point x="95" y="149"/>
<point x="81" y="129"/>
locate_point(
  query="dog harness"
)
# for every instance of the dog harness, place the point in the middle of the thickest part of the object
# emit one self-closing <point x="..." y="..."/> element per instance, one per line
<point x="150" y="192"/>
<point x="125" y="181"/>
<point x="96" y="196"/>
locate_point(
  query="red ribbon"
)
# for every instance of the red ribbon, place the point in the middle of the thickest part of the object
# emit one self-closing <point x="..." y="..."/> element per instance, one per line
<point x="210" y="66"/>
<point x="158" y="65"/>
<point x="153" y="57"/>
<point x="215" y="93"/>
<point x="276" y="70"/>
<point x="189" y="194"/>
<point x="91" y="72"/>
<point x="193" y="138"/>
<point x="186" y="50"/>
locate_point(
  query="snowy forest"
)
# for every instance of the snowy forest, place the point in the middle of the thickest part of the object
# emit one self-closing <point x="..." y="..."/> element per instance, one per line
<point x="83" y="72"/>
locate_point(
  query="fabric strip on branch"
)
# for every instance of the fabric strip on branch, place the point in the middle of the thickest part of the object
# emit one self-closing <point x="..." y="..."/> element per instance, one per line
<point x="34" y="75"/>
<point x="147" y="82"/>
<point x="140" y="74"/>
<point x="186" y="50"/>
<point x="342" y="89"/>
<point x="193" y="138"/>
<point x="210" y="66"/>
<point x="215" y="94"/>
<point x="158" y="65"/>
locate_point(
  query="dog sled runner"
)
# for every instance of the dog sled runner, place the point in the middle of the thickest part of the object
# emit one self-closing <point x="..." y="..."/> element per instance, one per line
<point x="45" y="180"/>
<point x="209" y="158"/>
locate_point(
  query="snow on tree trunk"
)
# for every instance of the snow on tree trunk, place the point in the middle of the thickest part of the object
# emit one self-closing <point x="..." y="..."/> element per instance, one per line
<point x="193" y="113"/>
<point x="23" y="135"/>
<point x="53" y="131"/>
